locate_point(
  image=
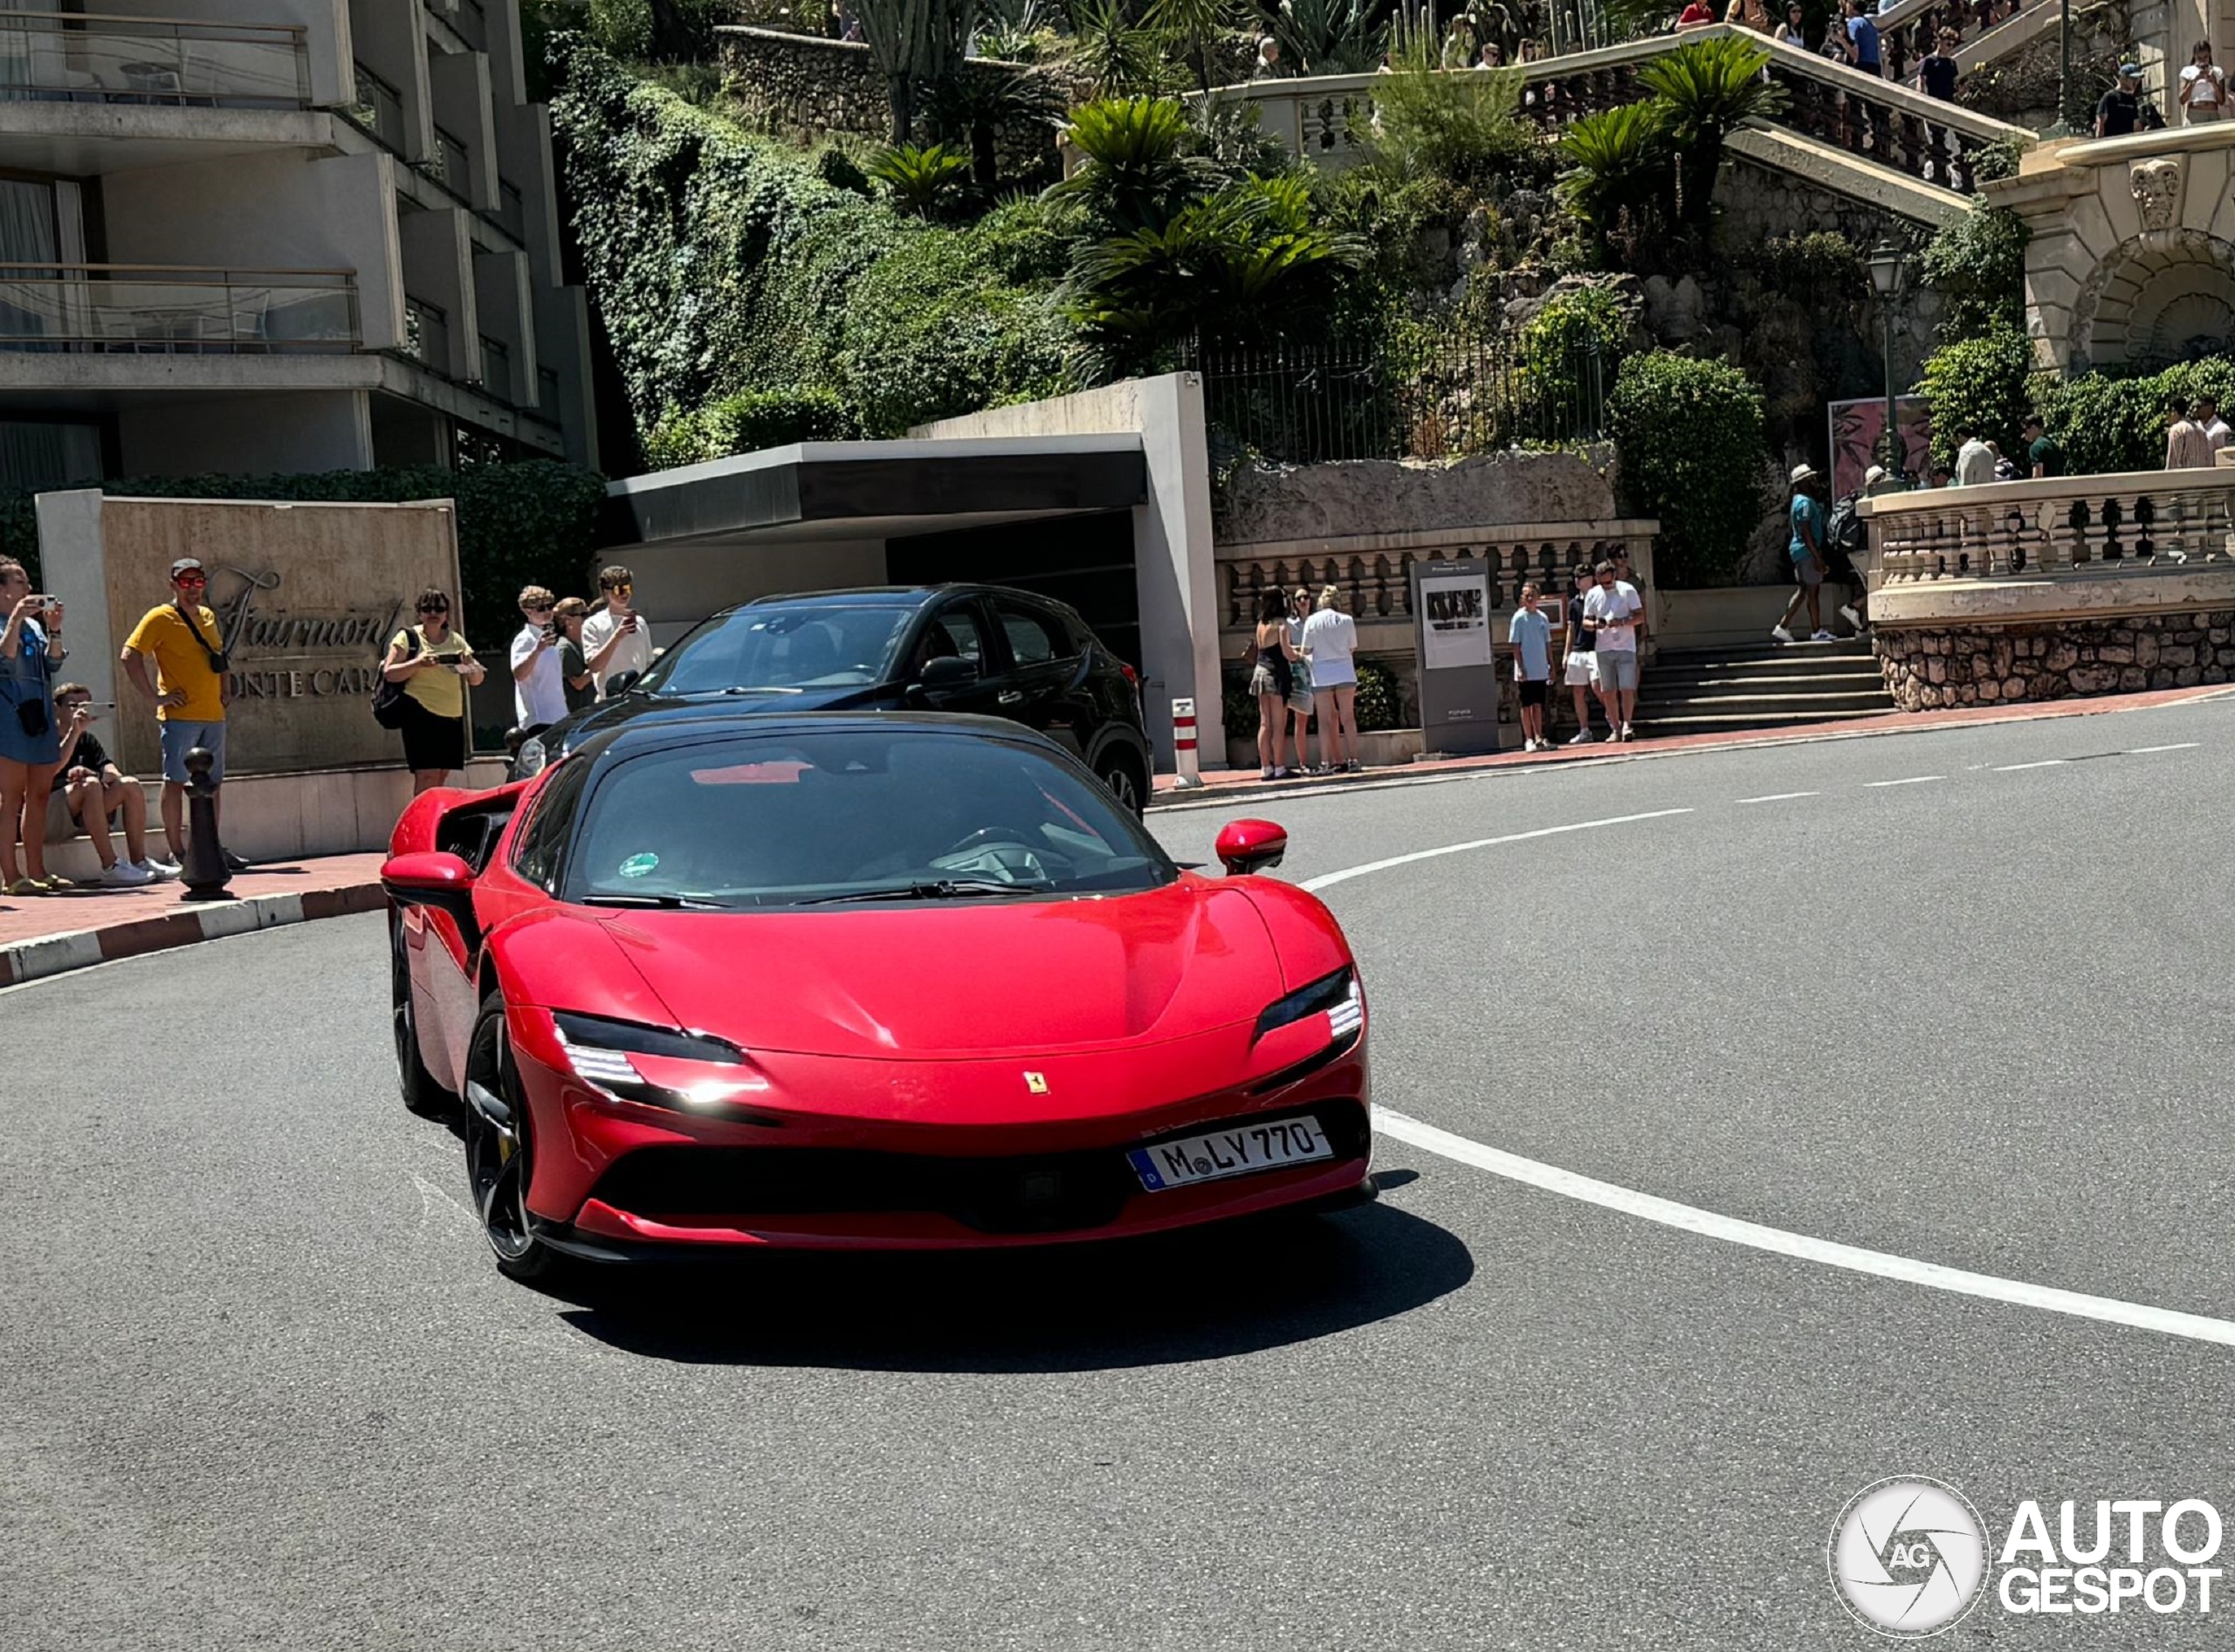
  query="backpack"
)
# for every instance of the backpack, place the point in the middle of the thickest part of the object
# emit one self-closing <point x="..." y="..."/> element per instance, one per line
<point x="1845" y="530"/>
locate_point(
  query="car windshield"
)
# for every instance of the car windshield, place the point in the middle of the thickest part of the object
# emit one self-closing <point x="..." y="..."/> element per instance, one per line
<point x="852" y="816"/>
<point x="773" y="647"/>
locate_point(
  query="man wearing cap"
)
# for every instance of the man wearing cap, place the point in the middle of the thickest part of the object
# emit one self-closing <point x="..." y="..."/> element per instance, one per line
<point x="189" y="689"/>
<point x="2118" y="109"/>
<point x="1809" y="560"/>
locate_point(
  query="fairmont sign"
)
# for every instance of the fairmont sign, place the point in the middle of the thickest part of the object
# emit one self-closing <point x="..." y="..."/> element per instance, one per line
<point x="260" y="630"/>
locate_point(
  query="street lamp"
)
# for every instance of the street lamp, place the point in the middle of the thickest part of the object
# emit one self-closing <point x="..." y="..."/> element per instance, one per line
<point x="1886" y="277"/>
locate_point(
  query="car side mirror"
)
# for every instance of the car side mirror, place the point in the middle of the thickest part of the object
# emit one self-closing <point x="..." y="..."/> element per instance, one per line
<point x="434" y="879"/>
<point x="1246" y="846"/>
<point x="948" y="672"/>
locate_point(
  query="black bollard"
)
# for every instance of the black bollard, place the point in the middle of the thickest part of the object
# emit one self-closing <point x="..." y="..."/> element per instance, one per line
<point x="204" y="872"/>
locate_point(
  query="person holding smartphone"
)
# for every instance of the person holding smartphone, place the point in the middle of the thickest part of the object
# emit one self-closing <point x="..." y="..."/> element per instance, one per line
<point x="436" y="666"/>
<point x="615" y="640"/>
<point x="539" y="696"/>
<point x="30" y="741"/>
<point x="94" y="796"/>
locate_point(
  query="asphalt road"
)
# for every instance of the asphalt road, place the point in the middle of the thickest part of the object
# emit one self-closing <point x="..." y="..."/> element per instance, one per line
<point x="260" y="1386"/>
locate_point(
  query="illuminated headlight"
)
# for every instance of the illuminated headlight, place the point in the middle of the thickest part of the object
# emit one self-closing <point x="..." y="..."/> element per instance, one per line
<point x="600" y="1049"/>
<point x="1337" y="995"/>
<point x="532" y="758"/>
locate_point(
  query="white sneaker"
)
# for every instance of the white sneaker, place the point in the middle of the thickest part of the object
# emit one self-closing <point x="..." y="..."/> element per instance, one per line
<point x="1822" y="637"/>
<point x="1583" y="739"/>
<point x="125" y="875"/>
<point x="1625" y="733"/>
<point x="1779" y="634"/>
<point x="158" y="870"/>
<point x="1851" y="617"/>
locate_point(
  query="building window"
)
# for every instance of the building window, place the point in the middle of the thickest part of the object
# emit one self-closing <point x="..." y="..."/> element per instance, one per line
<point x="39" y="455"/>
<point x="511" y="210"/>
<point x="450" y="163"/>
<point x="427" y="334"/>
<point x="547" y="391"/>
<point x="496" y="368"/>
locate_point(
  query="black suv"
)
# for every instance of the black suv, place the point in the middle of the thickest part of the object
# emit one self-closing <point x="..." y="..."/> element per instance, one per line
<point x="942" y="648"/>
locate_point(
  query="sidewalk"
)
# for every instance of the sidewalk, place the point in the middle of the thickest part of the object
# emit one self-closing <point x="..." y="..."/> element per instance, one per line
<point x="1237" y="785"/>
<point x="47" y="934"/>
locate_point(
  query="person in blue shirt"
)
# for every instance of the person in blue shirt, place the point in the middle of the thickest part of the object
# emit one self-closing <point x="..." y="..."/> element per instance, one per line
<point x="1862" y="37"/>
<point x="1806" y="550"/>
<point x="1530" y="633"/>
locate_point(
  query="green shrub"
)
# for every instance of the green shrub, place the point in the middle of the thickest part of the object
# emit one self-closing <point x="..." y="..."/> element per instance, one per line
<point x="531" y="523"/>
<point x="2105" y="423"/>
<point x="1690" y="438"/>
<point x="1982" y="382"/>
<point x="840" y="170"/>
<point x="923" y="180"/>
<point x="1380" y="698"/>
<point x="1978" y="265"/>
<point x="931" y="330"/>
<point x="747" y="423"/>
<point x="1556" y="348"/>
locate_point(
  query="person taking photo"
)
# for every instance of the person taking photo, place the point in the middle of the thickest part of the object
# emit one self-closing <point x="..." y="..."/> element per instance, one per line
<point x="31" y="742"/>
<point x="94" y="796"/>
<point x="436" y="666"/>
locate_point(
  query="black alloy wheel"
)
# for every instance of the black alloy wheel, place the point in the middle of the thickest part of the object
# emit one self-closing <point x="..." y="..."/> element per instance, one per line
<point x="422" y="1094"/>
<point x="1116" y="773"/>
<point x="500" y="1149"/>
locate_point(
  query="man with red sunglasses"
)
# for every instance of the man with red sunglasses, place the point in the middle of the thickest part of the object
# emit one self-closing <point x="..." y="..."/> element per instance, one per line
<point x="189" y="689"/>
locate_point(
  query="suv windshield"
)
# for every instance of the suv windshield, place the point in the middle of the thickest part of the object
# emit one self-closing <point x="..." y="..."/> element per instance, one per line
<point x="776" y="646"/>
<point x="852" y="816"/>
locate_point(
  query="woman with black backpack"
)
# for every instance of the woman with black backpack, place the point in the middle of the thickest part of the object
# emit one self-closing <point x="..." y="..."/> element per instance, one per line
<point x="433" y="666"/>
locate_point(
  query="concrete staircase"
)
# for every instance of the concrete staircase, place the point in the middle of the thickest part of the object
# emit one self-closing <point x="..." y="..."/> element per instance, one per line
<point x="1708" y="690"/>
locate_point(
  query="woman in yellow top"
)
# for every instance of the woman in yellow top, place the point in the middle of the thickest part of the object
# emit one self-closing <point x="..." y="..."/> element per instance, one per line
<point x="436" y="666"/>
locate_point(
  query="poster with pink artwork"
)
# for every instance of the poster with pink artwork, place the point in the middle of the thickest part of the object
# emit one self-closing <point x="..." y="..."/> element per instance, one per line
<point x="1856" y="427"/>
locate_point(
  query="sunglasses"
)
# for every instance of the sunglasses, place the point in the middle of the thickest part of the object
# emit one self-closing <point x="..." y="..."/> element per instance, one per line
<point x="434" y="607"/>
<point x="622" y="590"/>
<point x="189" y="579"/>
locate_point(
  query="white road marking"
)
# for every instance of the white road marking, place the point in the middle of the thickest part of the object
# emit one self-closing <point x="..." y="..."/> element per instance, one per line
<point x="2012" y="768"/>
<point x="2018" y="1292"/>
<point x="1779" y="797"/>
<point x="1914" y="780"/>
<point x="2144" y="750"/>
<point x="1325" y="879"/>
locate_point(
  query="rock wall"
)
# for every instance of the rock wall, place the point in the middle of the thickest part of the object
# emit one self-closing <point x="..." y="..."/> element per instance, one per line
<point x="807" y="87"/>
<point x="1272" y="503"/>
<point x="1981" y="667"/>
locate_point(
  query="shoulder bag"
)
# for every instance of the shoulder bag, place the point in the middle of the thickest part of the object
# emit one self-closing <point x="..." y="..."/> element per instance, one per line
<point x="388" y="698"/>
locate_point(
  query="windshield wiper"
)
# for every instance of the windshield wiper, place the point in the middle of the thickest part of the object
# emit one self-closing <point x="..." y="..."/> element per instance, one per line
<point x="663" y="902"/>
<point x="761" y="688"/>
<point x="940" y="888"/>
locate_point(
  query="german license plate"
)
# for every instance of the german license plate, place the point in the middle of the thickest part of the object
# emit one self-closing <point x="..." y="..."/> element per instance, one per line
<point x="1234" y="1151"/>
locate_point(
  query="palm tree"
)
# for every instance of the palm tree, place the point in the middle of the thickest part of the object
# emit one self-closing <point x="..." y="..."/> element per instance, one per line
<point x="1138" y="171"/>
<point x="1707" y="90"/>
<point x="921" y="179"/>
<point x="1620" y="159"/>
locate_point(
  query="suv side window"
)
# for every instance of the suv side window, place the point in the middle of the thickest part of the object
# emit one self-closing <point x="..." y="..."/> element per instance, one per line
<point x="958" y="621"/>
<point x="1034" y="638"/>
<point x="537" y="856"/>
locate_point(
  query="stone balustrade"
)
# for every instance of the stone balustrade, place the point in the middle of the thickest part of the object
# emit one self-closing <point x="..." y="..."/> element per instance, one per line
<point x="1328" y="119"/>
<point x="2038" y="590"/>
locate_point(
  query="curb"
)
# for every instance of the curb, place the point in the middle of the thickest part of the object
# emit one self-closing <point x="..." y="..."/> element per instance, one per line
<point x="29" y="960"/>
<point x="1515" y="762"/>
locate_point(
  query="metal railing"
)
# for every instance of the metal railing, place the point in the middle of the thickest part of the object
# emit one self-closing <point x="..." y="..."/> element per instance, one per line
<point x="449" y="164"/>
<point x="134" y="309"/>
<point x="1442" y="397"/>
<point x="379" y="108"/>
<point x="427" y="334"/>
<point x="54" y="57"/>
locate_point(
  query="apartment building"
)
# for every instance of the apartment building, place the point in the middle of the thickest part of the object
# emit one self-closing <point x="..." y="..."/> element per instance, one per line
<point x="278" y="236"/>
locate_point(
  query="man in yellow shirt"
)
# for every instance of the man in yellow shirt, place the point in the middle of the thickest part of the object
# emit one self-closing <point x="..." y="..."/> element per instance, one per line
<point x="189" y="689"/>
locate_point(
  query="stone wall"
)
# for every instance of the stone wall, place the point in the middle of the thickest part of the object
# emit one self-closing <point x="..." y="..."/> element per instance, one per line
<point x="807" y="87"/>
<point x="1281" y="503"/>
<point x="1926" y="668"/>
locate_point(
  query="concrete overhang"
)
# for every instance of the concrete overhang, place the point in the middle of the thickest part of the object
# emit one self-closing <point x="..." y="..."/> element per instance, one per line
<point x="84" y="140"/>
<point x="876" y="490"/>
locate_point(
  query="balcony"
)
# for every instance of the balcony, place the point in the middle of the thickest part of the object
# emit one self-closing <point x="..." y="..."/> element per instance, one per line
<point x="124" y="309"/>
<point x="379" y="108"/>
<point x="69" y="57"/>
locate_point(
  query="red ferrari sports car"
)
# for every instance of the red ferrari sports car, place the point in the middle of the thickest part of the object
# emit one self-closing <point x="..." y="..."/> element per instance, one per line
<point x="860" y="980"/>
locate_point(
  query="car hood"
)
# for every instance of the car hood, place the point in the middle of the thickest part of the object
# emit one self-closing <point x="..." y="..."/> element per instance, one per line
<point x="961" y="980"/>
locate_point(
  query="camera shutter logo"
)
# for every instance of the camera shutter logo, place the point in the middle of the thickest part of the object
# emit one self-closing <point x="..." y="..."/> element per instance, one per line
<point x="1908" y="1557"/>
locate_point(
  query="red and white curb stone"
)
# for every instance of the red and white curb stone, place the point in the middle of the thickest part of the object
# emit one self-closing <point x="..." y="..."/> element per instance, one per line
<point x="24" y="960"/>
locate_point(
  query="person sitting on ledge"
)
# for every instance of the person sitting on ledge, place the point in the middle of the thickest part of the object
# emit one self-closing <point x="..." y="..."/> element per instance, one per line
<point x="93" y="796"/>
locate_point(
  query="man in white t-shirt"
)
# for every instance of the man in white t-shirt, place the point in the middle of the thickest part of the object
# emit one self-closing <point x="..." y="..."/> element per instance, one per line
<point x="615" y="640"/>
<point x="539" y="696"/>
<point x="1609" y="613"/>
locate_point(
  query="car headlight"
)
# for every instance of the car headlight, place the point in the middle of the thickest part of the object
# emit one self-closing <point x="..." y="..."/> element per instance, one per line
<point x="601" y="1052"/>
<point x="530" y="758"/>
<point x="1336" y="994"/>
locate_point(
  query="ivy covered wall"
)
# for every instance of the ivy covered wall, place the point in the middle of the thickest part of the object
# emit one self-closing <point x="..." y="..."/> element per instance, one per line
<point x="724" y="262"/>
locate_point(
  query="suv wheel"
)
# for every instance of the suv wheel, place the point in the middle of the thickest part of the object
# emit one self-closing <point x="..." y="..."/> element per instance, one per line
<point x="1117" y="771"/>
